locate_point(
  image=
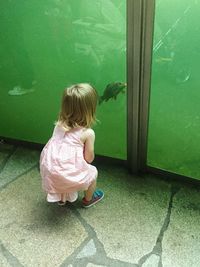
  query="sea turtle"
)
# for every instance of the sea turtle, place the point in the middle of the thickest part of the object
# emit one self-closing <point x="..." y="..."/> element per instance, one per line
<point x="111" y="91"/>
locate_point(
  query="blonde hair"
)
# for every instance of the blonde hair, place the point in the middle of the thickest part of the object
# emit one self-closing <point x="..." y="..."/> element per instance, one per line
<point x="78" y="106"/>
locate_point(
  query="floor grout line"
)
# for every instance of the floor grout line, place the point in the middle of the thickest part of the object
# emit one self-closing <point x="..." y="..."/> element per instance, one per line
<point x="100" y="256"/>
<point x="7" y="159"/>
<point x="157" y="250"/>
<point x="18" y="176"/>
<point x="12" y="260"/>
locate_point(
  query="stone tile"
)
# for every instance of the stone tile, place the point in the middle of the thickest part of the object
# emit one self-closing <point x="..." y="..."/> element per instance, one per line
<point x="20" y="161"/>
<point x="94" y="265"/>
<point x="35" y="232"/>
<point x="88" y="251"/>
<point x="181" y="243"/>
<point x="129" y="218"/>
<point x="3" y="261"/>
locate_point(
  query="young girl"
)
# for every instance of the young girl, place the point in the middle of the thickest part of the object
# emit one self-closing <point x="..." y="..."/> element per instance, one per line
<point x="65" y="160"/>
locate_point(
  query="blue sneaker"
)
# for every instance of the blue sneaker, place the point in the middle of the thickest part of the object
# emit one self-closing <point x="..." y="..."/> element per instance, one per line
<point x="97" y="196"/>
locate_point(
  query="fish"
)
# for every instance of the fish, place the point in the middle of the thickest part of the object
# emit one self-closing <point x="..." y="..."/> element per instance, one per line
<point x="112" y="90"/>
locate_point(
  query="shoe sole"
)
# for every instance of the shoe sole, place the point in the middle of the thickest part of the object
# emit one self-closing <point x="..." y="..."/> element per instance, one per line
<point x="88" y="206"/>
<point x="62" y="204"/>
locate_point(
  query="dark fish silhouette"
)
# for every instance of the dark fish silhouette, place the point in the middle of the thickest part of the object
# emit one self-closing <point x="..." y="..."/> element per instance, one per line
<point x="111" y="91"/>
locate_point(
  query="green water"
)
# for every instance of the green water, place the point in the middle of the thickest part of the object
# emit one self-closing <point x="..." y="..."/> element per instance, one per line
<point x="174" y="123"/>
<point x="47" y="45"/>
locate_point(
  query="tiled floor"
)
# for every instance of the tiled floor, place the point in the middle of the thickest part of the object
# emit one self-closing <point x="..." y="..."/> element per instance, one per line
<point x="142" y="221"/>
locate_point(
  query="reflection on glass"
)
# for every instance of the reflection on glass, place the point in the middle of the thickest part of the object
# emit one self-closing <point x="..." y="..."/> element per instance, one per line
<point x="48" y="45"/>
<point x="174" y="123"/>
<point x="16" y="69"/>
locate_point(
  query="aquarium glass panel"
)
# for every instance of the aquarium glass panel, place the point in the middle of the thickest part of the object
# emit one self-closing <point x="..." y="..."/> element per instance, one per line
<point x="47" y="45"/>
<point x="174" y="122"/>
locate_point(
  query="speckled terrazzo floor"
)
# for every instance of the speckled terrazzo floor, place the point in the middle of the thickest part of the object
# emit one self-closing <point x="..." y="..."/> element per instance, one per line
<point x="142" y="221"/>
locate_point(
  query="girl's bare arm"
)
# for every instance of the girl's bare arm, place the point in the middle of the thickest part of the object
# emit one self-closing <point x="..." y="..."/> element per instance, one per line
<point x="88" y="139"/>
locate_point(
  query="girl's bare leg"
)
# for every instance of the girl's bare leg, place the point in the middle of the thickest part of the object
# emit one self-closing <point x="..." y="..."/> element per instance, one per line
<point x="89" y="193"/>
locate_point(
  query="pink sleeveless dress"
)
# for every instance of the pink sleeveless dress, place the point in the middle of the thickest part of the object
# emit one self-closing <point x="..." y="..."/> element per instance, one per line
<point x="63" y="168"/>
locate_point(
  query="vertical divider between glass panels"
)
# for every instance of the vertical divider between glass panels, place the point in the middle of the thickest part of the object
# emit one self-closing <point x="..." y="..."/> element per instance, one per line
<point x="134" y="9"/>
<point x="140" y="16"/>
